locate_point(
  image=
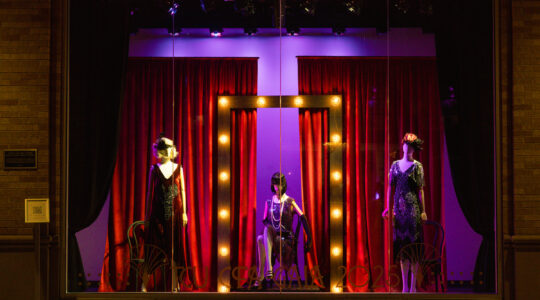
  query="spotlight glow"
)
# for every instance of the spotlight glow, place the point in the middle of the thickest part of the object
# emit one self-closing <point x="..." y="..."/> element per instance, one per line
<point x="261" y="101"/>
<point x="298" y="101"/>
<point x="336" y="176"/>
<point x="337" y="289"/>
<point x="336" y="100"/>
<point x="216" y="32"/>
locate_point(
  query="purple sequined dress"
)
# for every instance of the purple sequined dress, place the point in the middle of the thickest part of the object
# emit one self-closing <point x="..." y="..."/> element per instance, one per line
<point x="407" y="208"/>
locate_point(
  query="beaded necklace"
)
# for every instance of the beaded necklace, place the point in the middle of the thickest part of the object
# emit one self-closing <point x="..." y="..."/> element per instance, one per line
<point x="281" y="206"/>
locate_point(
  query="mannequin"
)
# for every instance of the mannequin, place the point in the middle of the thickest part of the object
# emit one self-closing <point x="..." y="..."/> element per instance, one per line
<point x="166" y="190"/>
<point x="277" y="220"/>
<point x="407" y="176"/>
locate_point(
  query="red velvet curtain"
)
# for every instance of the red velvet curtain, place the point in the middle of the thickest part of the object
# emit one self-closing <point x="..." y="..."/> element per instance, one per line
<point x="313" y="127"/>
<point x="148" y="110"/>
<point x="372" y="135"/>
<point x="243" y="191"/>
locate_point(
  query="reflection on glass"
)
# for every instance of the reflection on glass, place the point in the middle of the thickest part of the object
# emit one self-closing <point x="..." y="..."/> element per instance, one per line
<point x="337" y="151"/>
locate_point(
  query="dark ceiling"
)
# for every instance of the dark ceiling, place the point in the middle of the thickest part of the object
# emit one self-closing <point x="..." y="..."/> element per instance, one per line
<point x="297" y="14"/>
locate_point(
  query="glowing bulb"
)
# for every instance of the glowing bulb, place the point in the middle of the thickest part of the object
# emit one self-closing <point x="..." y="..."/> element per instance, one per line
<point x="223" y="139"/>
<point x="335" y="100"/>
<point x="336" y="213"/>
<point x="223" y="176"/>
<point x="223" y="289"/>
<point x="336" y="138"/>
<point x="223" y="101"/>
<point x="261" y="101"/>
<point x="223" y="251"/>
<point x="336" y="176"/>
<point x="337" y="289"/>
<point x="223" y="213"/>
<point x="298" y="101"/>
<point x="336" y="251"/>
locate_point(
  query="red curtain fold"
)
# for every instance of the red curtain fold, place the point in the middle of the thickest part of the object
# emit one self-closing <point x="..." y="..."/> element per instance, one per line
<point x="147" y="111"/>
<point x="313" y="127"/>
<point x="372" y="135"/>
<point x="243" y="191"/>
<point x="415" y="107"/>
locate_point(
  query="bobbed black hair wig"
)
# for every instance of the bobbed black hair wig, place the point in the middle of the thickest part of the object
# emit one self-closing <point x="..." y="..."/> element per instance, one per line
<point x="278" y="179"/>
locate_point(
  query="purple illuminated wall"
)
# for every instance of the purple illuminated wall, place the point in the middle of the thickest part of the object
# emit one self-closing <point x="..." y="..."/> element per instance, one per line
<point x="265" y="45"/>
<point x="268" y="158"/>
<point x="461" y="243"/>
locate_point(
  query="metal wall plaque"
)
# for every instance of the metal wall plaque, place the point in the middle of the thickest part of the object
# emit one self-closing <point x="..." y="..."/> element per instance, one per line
<point x="36" y="210"/>
<point x="20" y="159"/>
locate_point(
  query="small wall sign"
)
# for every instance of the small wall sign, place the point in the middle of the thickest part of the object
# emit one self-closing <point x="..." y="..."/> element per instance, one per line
<point x="20" y="159"/>
<point x="36" y="210"/>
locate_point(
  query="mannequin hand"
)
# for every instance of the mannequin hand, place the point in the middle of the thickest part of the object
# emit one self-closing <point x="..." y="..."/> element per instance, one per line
<point x="184" y="219"/>
<point x="385" y="214"/>
<point x="307" y="246"/>
<point x="423" y="216"/>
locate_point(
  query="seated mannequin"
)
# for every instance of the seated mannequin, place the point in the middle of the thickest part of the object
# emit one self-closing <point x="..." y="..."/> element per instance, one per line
<point x="278" y="223"/>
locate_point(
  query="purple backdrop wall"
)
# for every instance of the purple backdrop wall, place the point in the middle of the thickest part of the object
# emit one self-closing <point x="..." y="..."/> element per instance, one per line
<point x="268" y="158"/>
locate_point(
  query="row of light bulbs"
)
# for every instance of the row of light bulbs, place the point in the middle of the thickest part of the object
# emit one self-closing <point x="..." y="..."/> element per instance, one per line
<point x="224" y="139"/>
<point x="261" y="101"/>
<point x="224" y="176"/>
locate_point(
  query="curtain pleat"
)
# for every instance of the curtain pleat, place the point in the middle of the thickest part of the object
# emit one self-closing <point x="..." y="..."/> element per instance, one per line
<point x="148" y="109"/>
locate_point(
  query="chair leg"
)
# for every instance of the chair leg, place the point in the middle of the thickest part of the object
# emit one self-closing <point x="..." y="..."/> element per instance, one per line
<point x="136" y="281"/>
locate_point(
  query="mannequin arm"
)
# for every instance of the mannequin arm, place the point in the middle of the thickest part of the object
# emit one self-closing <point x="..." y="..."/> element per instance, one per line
<point x="183" y="192"/>
<point x="305" y="224"/>
<point x="307" y="229"/>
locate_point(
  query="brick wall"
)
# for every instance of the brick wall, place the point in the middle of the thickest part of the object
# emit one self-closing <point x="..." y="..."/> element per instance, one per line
<point x="526" y="116"/>
<point x="519" y="77"/>
<point x="24" y="105"/>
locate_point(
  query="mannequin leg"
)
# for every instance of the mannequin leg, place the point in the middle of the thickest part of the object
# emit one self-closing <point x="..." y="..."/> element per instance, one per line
<point x="262" y="258"/>
<point x="268" y="241"/>
<point x="414" y="270"/>
<point x="405" y="275"/>
<point x="144" y="281"/>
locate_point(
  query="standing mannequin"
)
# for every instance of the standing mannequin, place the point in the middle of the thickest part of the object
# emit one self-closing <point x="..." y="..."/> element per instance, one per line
<point x="166" y="190"/>
<point x="277" y="220"/>
<point x="407" y="176"/>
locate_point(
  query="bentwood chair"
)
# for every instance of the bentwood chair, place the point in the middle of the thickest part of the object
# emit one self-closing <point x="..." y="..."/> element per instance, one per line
<point x="435" y="260"/>
<point x="145" y="259"/>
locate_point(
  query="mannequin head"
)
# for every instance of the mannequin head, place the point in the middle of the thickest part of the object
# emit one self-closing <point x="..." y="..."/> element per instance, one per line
<point x="278" y="184"/>
<point x="411" y="143"/>
<point x="164" y="149"/>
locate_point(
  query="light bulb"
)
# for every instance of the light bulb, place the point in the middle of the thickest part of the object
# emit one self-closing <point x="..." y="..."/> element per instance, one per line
<point x="223" y="101"/>
<point x="336" y="176"/>
<point x="224" y="176"/>
<point x="223" y="139"/>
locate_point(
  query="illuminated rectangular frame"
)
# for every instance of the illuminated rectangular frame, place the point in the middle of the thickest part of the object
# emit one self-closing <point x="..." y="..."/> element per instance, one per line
<point x="334" y="105"/>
